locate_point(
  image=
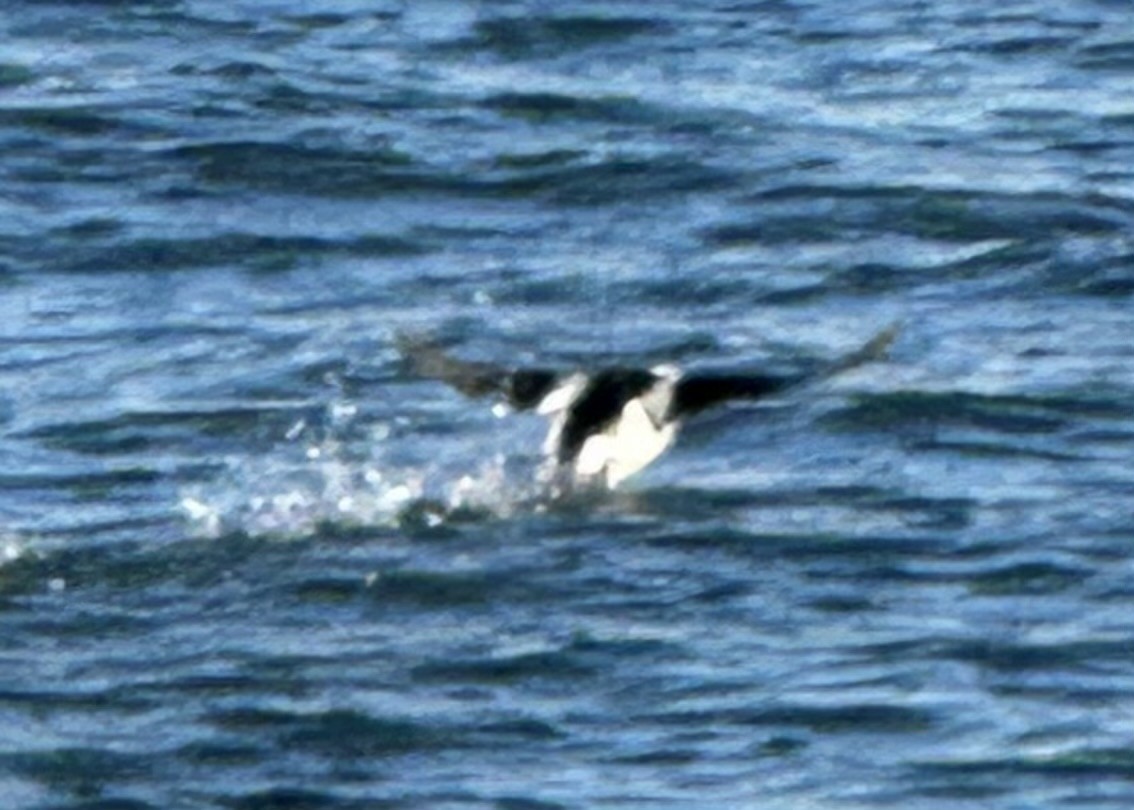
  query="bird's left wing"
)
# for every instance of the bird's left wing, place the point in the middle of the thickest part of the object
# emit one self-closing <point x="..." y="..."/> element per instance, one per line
<point x="521" y="388"/>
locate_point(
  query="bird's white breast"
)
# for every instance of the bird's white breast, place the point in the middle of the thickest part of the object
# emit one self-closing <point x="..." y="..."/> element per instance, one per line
<point x="627" y="447"/>
<point x="639" y="435"/>
<point x="555" y="406"/>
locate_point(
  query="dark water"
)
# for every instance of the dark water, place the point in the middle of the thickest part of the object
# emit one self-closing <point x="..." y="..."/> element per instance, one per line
<point x="246" y="562"/>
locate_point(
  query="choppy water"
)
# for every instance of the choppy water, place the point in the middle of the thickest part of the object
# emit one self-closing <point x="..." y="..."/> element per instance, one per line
<point x="246" y="562"/>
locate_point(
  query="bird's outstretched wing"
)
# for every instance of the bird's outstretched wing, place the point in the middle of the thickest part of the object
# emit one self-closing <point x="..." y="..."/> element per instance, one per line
<point x="694" y="393"/>
<point x="874" y="349"/>
<point x="521" y="388"/>
<point x="697" y="392"/>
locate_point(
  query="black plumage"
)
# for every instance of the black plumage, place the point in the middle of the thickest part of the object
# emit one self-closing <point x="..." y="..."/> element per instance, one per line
<point x="631" y="414"/>
<point x="599" y="404"/>
<point x="698" y="392"/>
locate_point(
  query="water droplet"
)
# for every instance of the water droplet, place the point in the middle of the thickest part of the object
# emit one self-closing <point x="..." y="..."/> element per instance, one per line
<point x="195" y="509"/>
<point x="343" y="412"/>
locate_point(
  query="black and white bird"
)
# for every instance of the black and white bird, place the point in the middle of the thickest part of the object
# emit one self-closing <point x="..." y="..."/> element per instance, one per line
<point x="610" y="423"/>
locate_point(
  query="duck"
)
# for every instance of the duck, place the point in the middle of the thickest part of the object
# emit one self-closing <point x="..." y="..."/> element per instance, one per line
<point x="608" y="423"/>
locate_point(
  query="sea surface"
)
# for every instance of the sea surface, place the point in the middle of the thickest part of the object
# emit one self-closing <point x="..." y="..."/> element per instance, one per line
<point x="249" y="562"/>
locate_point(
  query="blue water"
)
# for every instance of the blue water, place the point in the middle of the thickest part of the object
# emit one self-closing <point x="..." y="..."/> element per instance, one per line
<point x="247" y="561"/>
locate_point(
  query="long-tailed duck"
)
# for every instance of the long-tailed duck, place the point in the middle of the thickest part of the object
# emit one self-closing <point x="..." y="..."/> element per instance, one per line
<point x="610" y="423"/>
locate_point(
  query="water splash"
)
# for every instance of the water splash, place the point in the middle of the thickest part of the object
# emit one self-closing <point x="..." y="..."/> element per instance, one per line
<point x="315" y="477"/>
<point x="11" y="548"/>
<point x="297" y="487"/>
<point x="20" y="569"/>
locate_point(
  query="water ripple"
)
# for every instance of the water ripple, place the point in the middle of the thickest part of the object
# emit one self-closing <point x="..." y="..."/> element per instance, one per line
<point x="248" y="561"/>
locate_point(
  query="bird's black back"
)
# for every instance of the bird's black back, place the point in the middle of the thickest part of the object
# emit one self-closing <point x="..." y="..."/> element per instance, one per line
<point x="599" y="404"/>
<point x="696" y="392"/>
<point x="527" y="387"/>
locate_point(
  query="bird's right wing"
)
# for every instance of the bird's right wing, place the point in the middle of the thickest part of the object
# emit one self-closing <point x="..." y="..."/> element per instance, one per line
<point x="694" y="393"/>
<point x="874" y="349"/>
<point x="697" y="392"/>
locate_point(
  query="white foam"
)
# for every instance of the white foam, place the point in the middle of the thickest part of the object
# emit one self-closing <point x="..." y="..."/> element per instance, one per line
<point x="490" y="488"/>
<point x="11" y="549"/>
<point x="294" y="488"/>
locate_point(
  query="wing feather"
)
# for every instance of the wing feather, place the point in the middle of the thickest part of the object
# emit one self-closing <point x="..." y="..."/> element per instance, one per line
<point x="521" y="388"/>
